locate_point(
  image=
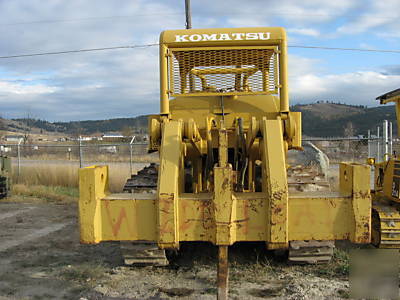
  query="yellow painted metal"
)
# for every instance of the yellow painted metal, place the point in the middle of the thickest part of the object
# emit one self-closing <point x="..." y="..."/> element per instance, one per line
<point x="277" y="34"/>
<point x="169" y="184"/>
<point x="224" y="211"/>
<point x="275" y="182"/>
<point x="93" y="183"/>
<point x="387" y="180"/>
<point x="164" y="99"/>
<point x="294" y="123"/>
<point x="355" y="183"/>
<point x="270" y="37"/>
<point x="283" y="77"/>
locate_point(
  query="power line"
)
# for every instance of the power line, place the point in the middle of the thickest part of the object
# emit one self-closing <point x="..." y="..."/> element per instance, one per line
<point x="155" y="44"/>
<point x="276" y="13"/>
<point x="87" y="19"/>
<point x="345" y="49"/>
<point x="77" y="51"/>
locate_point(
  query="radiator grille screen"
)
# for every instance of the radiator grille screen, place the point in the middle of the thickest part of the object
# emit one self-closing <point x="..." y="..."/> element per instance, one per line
<point x="227" y="71"/>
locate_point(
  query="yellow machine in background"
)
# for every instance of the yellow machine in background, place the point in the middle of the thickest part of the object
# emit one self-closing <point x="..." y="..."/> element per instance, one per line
<point x="5" y="176"/>
<point x="223" y="134"/>
<point x="386" y="196"/>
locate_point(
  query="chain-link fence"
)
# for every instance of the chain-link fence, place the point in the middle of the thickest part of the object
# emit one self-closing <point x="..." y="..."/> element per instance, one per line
<point x="58" y="164"/>
<point x="338" y="150"/>
<point x="84" y="153"/>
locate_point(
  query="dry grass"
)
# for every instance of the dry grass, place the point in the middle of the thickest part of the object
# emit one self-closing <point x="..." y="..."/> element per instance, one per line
<point x="47" y="174"/>
<point x="65" y="174"/>
<point x="87" y="158"/>
<point x="143" y="158"/>
<point x="20" y="192"/>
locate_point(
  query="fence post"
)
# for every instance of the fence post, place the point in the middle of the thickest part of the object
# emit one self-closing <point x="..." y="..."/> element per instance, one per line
<point x="130" y="154"/>
<point x="378" y="156"/>
<point x="19" y="158"/>
<point x="80" y="152"/>
<point x="385" y="140"/>
<point x="369" y="144"/>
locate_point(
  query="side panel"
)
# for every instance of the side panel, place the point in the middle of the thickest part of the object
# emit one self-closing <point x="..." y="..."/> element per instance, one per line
<point x="355" y="182"/>
<point x="319" y="218"/>
<point x="275" y="183"/>
<point x="93" y="184"/>
<point x="168" y="188"/>
<point x="126" y="220"/>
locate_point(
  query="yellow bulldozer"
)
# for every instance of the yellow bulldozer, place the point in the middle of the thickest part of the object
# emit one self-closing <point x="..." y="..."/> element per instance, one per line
<point x="223" y="135"/>
<point x="386" y="194"/>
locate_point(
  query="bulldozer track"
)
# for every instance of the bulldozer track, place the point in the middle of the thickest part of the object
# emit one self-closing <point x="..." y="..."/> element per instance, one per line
<point x="143" y="254"/>
<point x="144" y="181"/>
<point x="385" y="226"/>
<point x="310" y="252"/>
<point x="4" y="188"/>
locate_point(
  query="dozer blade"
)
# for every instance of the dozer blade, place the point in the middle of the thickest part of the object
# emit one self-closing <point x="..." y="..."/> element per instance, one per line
<point x="311" y="252"/>
<point x="143" y="254"/>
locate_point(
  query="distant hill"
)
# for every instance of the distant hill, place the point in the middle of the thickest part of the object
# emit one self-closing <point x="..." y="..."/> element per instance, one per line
<point x="87" y="127"/>
<point x="329" y="111"/>
<point x="320" y="119"/>
<point x="330" y="119"/>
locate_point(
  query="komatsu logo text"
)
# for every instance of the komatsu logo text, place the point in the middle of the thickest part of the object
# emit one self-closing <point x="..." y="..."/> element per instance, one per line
<point x="222" y="37"/>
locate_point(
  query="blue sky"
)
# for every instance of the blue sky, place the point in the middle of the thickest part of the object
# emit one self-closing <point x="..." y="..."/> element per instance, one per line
<point x="124" y="83"/>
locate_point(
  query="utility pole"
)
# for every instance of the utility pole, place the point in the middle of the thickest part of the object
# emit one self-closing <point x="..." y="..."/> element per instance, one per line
<point x="188" y="15"/>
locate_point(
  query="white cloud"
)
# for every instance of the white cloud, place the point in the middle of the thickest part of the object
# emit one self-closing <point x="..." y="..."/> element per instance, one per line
<point x="312" y="11"/>
<point x="304" y="31"/>
<point x="355" y="87"/>
<point x="379" y="14"/>
<point x="10" y="88"/>
<point x="248" y="21"/>
<point x="124" y="83"/>
<point x="300" y="65"/>
<point x="302" y="12"/>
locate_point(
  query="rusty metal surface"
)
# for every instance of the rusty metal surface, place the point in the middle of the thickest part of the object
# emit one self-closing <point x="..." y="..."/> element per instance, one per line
<point x="223" y="273"/>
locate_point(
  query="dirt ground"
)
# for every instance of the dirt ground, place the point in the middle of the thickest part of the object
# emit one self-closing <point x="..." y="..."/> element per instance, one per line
<point x="41" y="258"/>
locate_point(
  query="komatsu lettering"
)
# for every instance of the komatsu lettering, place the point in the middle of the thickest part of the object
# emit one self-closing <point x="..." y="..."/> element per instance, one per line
<point x="222" y="37"/>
